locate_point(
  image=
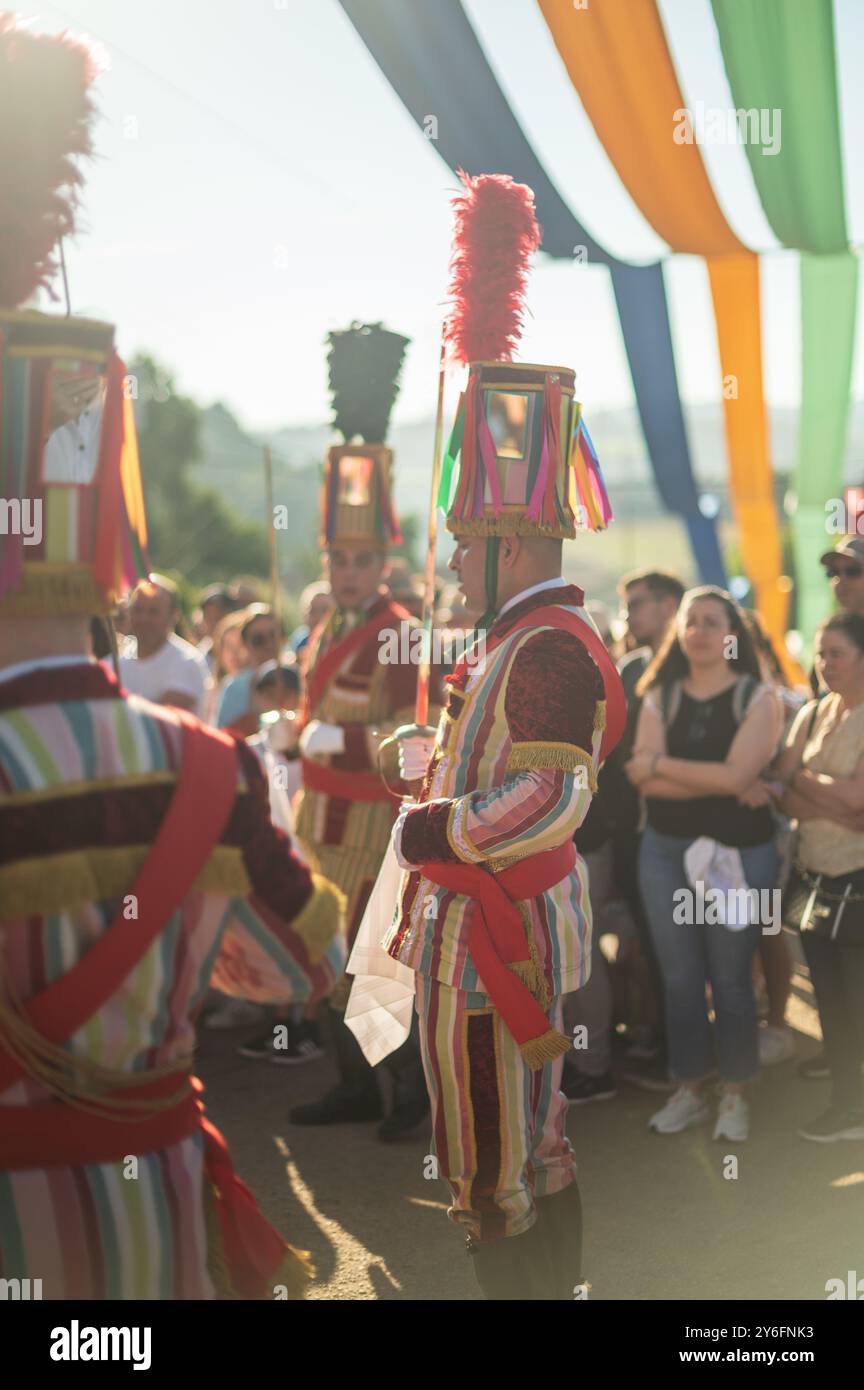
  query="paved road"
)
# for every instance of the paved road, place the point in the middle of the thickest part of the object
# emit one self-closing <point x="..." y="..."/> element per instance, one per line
<point x="662" y="1221"/>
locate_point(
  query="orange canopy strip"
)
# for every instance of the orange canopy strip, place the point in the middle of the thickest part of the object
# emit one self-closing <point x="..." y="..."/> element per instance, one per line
<point x="617" y="57"/>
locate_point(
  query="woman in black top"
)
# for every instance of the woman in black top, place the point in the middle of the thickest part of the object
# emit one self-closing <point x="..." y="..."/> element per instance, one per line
<point x="706" y="730"/>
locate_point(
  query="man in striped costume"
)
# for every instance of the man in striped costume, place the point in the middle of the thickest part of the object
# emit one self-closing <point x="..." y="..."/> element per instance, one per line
<point x="494" y="915"/>
<point x="356" y="696"/>
<point x="137" y="856"/>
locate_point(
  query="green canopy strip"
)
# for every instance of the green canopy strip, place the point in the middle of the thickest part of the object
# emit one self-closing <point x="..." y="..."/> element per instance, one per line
<point x="780" y="62"/>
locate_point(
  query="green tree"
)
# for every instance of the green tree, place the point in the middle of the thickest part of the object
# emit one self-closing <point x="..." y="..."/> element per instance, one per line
<point x="191" y="529"/>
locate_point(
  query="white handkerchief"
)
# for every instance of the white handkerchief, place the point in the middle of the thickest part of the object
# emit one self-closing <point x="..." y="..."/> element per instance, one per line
<point x="712" y="866"/>
<point x="382" y="996"/>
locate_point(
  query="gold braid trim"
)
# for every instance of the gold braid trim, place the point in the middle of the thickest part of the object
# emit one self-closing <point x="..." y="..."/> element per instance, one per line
<point x="565" y="757"/>
<point x="63" y="882"/>
<point x="514" y="523"/>
<point x="599" y="716"/>
<point x="538" y="1051"/>
<point x="48" y="590"/>
<point x="451" y="837"/>
<point x="319" y="921"/>
<point x="78" y="1081"/>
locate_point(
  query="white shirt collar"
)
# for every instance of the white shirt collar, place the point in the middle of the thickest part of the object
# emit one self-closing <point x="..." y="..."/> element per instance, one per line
<point x="528" y="593"/>
<point x="43" y="663"/>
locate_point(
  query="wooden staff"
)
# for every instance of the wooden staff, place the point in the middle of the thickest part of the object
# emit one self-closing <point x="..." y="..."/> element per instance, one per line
<point x="276" y="600"/>
<point x="421" y="707"/>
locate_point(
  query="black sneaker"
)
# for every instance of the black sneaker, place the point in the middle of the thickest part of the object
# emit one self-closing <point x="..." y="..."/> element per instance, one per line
<point x="833" y="1125"/>
<point x="259" y="1046"/>
<point x="583" y="1089"/>
<point x="298" y="1044"/>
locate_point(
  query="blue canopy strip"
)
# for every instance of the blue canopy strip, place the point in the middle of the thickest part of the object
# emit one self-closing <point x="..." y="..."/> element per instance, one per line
<point x="432" y="58"/>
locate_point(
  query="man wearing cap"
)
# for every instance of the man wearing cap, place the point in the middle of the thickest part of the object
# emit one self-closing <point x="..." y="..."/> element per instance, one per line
<point x="844" y="566"/>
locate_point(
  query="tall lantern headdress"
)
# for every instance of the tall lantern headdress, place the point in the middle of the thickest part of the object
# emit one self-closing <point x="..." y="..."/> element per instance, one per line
<point x="72" y="533"/>
<point x="520" y="461"/>
<point x="357" y="506"/>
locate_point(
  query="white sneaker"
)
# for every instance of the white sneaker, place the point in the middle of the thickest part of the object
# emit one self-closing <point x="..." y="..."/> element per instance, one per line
<point x="733" y="1119"/>
<point x="775" y="1045"/>
<point x="681" y="1111"/>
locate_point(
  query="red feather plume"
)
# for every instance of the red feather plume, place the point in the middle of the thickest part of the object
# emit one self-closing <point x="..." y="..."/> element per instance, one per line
<point x="45" y="116"/>
<point x="495" y="235"/>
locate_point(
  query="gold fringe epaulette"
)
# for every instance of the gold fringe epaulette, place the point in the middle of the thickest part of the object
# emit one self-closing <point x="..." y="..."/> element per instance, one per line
<point x="64" y="882"/>
<point x="320" y="919"/>
<point x="540" y="757"/>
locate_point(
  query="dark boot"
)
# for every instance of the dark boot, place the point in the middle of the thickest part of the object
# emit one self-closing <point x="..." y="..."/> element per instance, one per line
<point x="410" y="1097"/>
<point x="560" y="1219"/>
<point x="516" y="1269"/>
<point x="356" y="1098"/>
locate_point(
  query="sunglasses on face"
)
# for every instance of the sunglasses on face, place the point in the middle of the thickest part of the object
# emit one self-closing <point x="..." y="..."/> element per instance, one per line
<point x="260" y="639"/>
<point x="844" y="571"/>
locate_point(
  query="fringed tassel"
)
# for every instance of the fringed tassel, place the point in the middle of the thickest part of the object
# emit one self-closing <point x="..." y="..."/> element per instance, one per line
<point x="550" y="1045"/>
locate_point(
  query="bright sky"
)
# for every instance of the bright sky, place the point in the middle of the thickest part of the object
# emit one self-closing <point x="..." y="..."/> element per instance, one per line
<point x="259" y="183"/>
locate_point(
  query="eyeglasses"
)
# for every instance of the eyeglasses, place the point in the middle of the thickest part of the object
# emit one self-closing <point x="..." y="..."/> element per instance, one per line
<point x="844" y="572"/>
<point x="261" y="639"/>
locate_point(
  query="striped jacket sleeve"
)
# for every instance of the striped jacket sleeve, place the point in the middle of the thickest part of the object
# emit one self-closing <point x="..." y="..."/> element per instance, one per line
<point x="552" y="704"/>
<point x="282" y="943"/>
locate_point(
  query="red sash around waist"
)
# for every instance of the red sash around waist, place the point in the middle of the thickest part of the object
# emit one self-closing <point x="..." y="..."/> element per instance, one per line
<point x="496" y="940"/>
<point x="57" y="1134"/>
<point x="350" y="786"/>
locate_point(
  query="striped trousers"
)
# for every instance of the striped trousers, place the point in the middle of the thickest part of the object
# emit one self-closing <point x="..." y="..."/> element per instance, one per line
<point x="497" y="1126"/>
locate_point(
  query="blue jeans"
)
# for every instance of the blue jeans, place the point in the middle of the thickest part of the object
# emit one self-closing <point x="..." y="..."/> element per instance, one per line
<point x="691" y="955"/>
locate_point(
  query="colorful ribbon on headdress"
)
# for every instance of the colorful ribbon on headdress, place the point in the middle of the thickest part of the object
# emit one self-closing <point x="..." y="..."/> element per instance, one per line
<point x="590" y="487"/>
<point x="542" y="503"/>
<point x="472" y="442"/>
<point x="121" y="535"/>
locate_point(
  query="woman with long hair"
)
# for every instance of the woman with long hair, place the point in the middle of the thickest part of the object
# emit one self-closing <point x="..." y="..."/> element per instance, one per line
<point x="707" y="728"/>
<point x="821" y="778"/>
